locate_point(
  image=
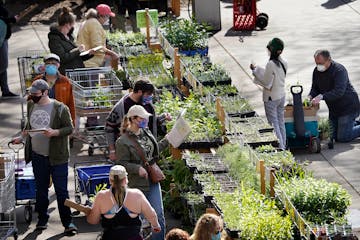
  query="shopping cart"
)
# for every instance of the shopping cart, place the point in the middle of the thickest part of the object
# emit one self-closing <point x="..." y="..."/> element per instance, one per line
<point x="30" y="65"/>
<point x="301" y="123"/>
<point x="96" y="91"/>
<point x="25" y="187"/>
<point x="7" y="200"/>
<point x="90" y="177"/>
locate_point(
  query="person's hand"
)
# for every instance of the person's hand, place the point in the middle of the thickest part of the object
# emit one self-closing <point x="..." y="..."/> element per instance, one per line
<point x="17" y="18"/>
<point x="143" y="173"/>
<point x="156" y="229"/>
<point x="112" y="155"/>
<point x="16" y="140"/>
<point x="51" y="132"/>
<point x="316" y="100"/>
<point x="168" y="116"/>
<point x="81" y="47"/>
<point x="252" y="66"/>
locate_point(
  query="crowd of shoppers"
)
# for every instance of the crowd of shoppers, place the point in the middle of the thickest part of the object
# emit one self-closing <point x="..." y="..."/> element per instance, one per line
<point x="132" y="126"/>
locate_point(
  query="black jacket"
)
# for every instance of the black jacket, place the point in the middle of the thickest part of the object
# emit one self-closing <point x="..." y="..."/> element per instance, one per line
<point x="337" y="91"/>
<point x="62" y="46"/>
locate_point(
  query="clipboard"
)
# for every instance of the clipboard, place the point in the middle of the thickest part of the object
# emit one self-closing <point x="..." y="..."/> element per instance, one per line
<point x="88" y="51"/>
<point x="37" y="130"/>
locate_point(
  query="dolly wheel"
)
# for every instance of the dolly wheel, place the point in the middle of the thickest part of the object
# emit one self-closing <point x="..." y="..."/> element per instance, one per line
<point x="262" y="20"/>
<point x="315" y="145"/>
<point x="28" y="213"/>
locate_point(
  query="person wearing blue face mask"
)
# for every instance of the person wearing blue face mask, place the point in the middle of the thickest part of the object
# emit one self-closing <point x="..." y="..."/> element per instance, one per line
<point x="208" y="227"/>
<point x="137" y="141"/>
<point x="142" y="94"/>
<point x="60" y="85"/>
<point x="330" y="82"/>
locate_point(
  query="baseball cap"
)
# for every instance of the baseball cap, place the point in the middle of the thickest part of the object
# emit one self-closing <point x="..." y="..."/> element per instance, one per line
<point x="139" y="111"/>
<point x="104" y="9"/>
<point x="117" y="170"/>
<point x="38" y="85"/>
<point x="52" y="56"/>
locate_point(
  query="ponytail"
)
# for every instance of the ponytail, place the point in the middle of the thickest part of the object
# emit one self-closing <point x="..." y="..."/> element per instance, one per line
<point x="118" y="190"/>
<point x="125" y="124"/>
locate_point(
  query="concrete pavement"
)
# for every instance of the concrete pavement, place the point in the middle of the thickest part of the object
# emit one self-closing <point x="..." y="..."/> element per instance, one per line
<point x="303" y="25"/>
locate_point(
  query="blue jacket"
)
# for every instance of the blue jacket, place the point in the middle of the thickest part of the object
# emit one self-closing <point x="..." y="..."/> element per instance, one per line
<point x="338" y="93"/>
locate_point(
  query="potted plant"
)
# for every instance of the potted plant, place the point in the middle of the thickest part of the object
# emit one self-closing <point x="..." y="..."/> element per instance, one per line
<point x="324" y="128"/>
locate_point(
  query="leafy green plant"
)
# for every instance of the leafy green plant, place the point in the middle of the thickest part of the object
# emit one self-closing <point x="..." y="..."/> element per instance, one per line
<point x="275" y="158"/>
<point x="317" y="200"/>
<point x="324" y="128"/>
<point x="125" y="39"/>
<point x="98" y="188"/>
<point x="237" y="158"/>
<point x="185" y="34"/>
<point x="256" y="217"/>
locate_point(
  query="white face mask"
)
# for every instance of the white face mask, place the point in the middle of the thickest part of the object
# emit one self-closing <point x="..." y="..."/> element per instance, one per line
<point x="320" y="68"/>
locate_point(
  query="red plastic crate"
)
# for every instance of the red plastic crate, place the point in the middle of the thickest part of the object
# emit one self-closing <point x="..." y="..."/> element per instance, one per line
<point x="244" y="14"/>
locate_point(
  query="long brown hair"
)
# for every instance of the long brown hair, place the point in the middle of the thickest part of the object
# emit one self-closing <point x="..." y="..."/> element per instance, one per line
<point x="206" y="226"/>
<point x="66" y="16"/>
<point x="118" y="190"/>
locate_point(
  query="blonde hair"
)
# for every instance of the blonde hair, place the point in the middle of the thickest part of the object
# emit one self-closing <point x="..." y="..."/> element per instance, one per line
<point x="118" y="189"/>
<point x="125" y="124"/>
<point x="206" y="226"/>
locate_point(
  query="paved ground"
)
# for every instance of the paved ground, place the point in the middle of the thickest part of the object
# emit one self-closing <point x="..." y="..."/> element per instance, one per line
<point x="303" y="25"/>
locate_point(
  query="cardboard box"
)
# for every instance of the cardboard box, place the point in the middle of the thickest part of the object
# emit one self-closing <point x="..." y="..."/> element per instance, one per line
<point x="308" y="111"/>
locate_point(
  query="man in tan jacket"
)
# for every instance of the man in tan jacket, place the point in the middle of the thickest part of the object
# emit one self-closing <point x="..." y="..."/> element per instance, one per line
<point x="92" y="35"/>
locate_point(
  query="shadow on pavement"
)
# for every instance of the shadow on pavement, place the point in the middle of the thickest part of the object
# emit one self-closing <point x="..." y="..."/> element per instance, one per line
<point x="331" y="4"/>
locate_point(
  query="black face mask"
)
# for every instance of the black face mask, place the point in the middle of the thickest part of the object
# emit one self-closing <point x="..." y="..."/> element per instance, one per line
<point x="36" y="99"/>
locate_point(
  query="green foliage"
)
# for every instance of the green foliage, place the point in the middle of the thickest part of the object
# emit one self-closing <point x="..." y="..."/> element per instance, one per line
<point x="204" y="124"/>
<point x="98" y="188"/>
<point x="237" y="158"/>
<point x="325" y="128"/>
<point x="185" y="34"/>
<point x="125" y="39"/>
<point x="255" y="216"/>
<point x="317" y="200"/>
<point x="274" y="158"/>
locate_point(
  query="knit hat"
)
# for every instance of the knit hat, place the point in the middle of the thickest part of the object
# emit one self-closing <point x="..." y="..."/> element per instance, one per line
<point x="275" y="45"/>
<point x="117" y="170"/>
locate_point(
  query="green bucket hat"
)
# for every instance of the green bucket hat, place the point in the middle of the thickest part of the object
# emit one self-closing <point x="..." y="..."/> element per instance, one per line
<point x="275" y="45"/>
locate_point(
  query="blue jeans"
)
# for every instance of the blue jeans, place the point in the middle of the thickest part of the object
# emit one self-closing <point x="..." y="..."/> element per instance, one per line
<point x="42" y="171"/>
<point x="344" y="128"/>
<point x="3" y="67"/>
<point x="154" y="196"/>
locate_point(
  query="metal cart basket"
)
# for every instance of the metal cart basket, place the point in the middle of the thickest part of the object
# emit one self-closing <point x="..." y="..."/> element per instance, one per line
<point x="30" y="65"/>
<point x="96" y="91"/>
<point x="7" y="200"/>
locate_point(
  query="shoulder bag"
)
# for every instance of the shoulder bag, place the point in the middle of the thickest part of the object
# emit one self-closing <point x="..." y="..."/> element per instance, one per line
<point x="154" y="171"/>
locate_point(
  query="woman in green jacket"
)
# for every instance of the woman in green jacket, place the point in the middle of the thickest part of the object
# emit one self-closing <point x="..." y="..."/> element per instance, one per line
<point x="136" y="137"/>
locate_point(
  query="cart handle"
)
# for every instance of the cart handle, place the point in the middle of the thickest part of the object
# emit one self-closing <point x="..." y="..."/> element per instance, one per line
<point x="296" y="87"/>
<point x="12" y="145"/>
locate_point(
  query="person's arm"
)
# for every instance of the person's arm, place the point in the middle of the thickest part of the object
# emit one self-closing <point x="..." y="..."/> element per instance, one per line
<point x="123" y="156"/>
<point x="94" y="216"/>
<point x="149" y="212"/>
<point x="3" y="28"/>
<point x="113" y="122"/>
<point x="341" y="80"/>
<point x="71" y="103"/>
<point x="56" y="47"/>
<point x="163" y="144"/>
<point x="66" y="122"/>
<point x="314" y="88"/>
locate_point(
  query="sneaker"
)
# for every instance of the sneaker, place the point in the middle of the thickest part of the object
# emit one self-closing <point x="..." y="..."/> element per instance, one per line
<point x="10" y="94"/>
<point x="71" y="230"/>
<point x="41" y="226"/>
